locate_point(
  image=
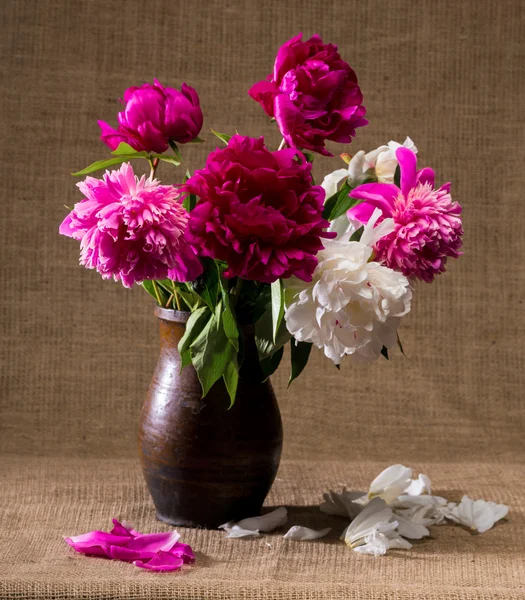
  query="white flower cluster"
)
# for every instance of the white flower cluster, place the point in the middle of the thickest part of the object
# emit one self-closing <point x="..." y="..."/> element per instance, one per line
<point x="398" y="508"/>
<point x="353" y="305"/>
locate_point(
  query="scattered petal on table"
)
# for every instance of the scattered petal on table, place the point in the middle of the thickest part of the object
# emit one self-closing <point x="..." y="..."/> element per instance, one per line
<point x="161" y="561"/>
<point x="421" y="485"/>
<point x="267" y="522"/>
<point x="390" y="483"/>
<point x="342" y="504"/>
<point x="479" y="515"/>
<point x="234" y="531"/>
<point x="297" y="532"/>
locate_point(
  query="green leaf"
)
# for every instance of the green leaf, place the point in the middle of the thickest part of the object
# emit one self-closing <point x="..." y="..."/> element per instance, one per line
<point x="156" y="292"/>
<point x="264" y="339"/>
<point x="309" y="156"/>
<point x="176" y="150"/>
<point x="269" y="365"/>
<point x="231" y="379"/>
<point x="339" y="203"/>
<point x="356" y="236"/>
<point x="190" y="202"/>
<point x="167" y="158"/>
<point x="194" y="326"/>
<point x="400" y="345"/>
<point x="211" y="351"/>
<point x="230" y="327"/>
<point x="196" y="140"/>
<point x="224" y="137"/>
<point x="103" y="164"/>
<point x="126" y="150"/>
<point x="300" y="353"/>
<point x="207" y="284"/>
<point x="165" y="284"/>
<point x="397" y="177"/>
<point x="384" y="352"/>
<point x="277" y="306"/>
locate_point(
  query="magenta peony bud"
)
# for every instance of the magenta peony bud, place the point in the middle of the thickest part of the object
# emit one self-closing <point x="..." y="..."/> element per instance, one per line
<point x="313" y="95"/>
<point x="153" y="115"/>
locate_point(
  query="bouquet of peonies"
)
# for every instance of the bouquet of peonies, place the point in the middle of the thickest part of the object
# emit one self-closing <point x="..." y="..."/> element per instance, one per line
<point x="250" y="239"/>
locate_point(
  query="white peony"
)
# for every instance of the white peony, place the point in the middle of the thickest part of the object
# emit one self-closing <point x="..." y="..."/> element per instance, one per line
<point x="380" y="164"/>
<point x="351" y="306"/>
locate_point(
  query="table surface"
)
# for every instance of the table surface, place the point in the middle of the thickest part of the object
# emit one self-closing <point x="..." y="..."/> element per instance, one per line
<point x="43" y="499"/>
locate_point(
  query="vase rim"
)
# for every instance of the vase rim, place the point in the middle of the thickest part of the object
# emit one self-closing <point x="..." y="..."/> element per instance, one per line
<point x="169" y="314"/>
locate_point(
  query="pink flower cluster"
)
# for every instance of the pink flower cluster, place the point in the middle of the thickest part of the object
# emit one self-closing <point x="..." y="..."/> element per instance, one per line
<point x="313" y="94"/>
<point x="154" y="115"/>
<point x="132" y="229"/>
<point x="258" y="211"/>
<point x="428" y="227"/>
<point x="152" y="551"/>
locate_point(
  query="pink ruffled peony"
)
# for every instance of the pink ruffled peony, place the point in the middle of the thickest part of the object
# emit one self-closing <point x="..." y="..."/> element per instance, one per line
<point x="153" y="551"/>
<point x="153" y="115"/>
<point x="132" y="229"/>
<point x="427" y="221"/>
<point x="313" y="95"/>
<point x="258" y="211"/>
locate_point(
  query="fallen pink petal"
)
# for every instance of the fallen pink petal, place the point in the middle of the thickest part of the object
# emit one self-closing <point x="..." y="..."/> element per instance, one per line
<point x="162" y="561"/>
<point x="153" y="551"/>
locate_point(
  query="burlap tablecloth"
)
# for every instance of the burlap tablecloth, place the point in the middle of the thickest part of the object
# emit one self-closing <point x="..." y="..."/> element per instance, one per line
<point x="77" y="353"/>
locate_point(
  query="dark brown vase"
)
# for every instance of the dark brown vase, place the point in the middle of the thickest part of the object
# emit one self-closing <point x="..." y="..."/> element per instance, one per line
<point x="205" y="465"/>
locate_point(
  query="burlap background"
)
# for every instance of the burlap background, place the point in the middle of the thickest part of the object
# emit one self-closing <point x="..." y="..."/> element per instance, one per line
<point x="77" y="353"/>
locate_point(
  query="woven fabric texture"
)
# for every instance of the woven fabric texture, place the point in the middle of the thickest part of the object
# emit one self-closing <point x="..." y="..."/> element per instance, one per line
<point x="77" y="353"/>
<point x="45" y="499"/>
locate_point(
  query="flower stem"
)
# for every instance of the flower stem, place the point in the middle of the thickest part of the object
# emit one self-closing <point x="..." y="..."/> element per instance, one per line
<point x="176" y="296"/>
<point x="157" y="291"/>
<point x="153" y="163"/>
<point x="177" y="300"/>
<point x="237" y="290"/>
<point x="282" y="144"/>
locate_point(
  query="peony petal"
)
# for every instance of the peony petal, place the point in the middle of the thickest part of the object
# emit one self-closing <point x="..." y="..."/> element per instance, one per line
<point x="151" y="543"/>
<point x="267" y="522"/>
<point x="297" y="532"/>
<point x="234" y="531"/>
<point x="407" y="164"/>
<point x="161" y="561"/>
<point x="380" y="195"/>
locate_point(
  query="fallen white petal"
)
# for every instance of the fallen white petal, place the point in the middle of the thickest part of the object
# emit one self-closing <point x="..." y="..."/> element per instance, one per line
<point x="479" y="515"/>
<point x="234" y="531"/>
<point x="421" y="485"/>
<point x="391" y="483"/>
<point x="297" y="532"/>
<point x="267" y="522"/>
<point x="409" y="529"/>
<point x="375" y="516"/>
<point x="342" y="504"/>
<point x="375" y="544"/>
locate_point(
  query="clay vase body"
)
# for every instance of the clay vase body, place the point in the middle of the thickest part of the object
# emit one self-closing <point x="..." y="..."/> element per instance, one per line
<point x="205" y="465"/>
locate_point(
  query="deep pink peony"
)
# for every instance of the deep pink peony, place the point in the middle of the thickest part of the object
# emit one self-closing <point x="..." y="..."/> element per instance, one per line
<point x="132" y="229"/>
<point x="153" y="551"/>
<point x="427" y="221"/>
<point x="153" y="115"/>
<point x="313" y="95"/>
<point x="258" y="211"/>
